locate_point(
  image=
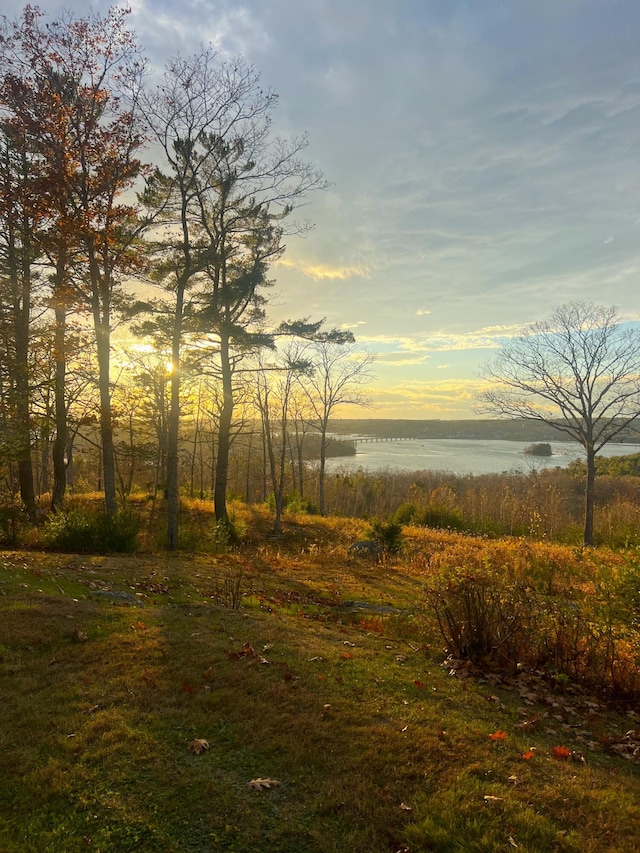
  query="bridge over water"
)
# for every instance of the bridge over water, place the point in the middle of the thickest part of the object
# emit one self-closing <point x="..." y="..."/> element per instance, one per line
<point x="369" y="439"/>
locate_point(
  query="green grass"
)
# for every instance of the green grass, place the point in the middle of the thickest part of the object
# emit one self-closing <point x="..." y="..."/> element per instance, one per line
<point x="377" y="746"/>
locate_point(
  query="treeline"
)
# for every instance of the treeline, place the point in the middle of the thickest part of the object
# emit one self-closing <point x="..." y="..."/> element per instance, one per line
<point x="515" y="429"/>
<point x="89" y="224"/>
<point x="543" y="505"/>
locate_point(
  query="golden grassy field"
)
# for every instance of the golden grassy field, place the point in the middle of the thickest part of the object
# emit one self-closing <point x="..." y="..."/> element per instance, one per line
<point x="300" y="665"/>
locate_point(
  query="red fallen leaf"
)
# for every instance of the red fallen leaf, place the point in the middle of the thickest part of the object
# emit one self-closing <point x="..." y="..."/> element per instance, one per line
<point x="245" y="651"/>
<point x="419" y="685"/>
<point x="208" y="673"/>
<point x="288" y="676"/>
<point x="499" y="735"/>
<point x="561" y="752"/>
<point x="346" y="656"/>
<point x="528" y="755"/>
<point x="188" y="688"/>
<point x="139" y="626"/>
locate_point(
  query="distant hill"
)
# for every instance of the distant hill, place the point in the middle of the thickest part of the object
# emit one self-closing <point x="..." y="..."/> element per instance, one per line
<point x="504" y="430"/>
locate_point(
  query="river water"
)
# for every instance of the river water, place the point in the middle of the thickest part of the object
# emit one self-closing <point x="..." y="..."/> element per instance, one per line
<point x="464" y="456"/>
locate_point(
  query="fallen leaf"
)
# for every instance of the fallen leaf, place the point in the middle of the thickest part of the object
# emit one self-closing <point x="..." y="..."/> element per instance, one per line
<point x="139" y="626"/>
<point x="245" y="651"/>
<point x="419" y="685"/>
<point x="346" y="656"/>
<point x="488" y="798"/>
<point x="499" y="735"/>
<point x="405" y="807"/>
<point x="528" y="755"/>
<point x="198" y="745"/>
<point x="262" y="784"/>
<point x="188" y="688"/>
<point x="561" y="752"/>
<point x="79" y="636"/>
<point x="512" y="842"/>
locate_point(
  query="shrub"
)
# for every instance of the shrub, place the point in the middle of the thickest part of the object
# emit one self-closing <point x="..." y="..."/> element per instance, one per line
<point x="406" y="513"/>
<point x="387" y="534"/>
<point x="511" y="611"/>
<point x="442" y="517"/>
<point x="86" y="530"/>
<point x="230" y="531"/>
<point x="12" y="517"/>
<point x="295" y="503"/>
<point x="482" y="616"/>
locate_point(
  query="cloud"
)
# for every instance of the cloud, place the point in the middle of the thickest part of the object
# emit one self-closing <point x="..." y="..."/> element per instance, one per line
<point x="354" y="325"/>
<point x="400" y="359"/>
<point x="422" y="311"/>
<point x="437" y="342"/>
<point x="441" y="398"/>
<point x="319" y="271"/>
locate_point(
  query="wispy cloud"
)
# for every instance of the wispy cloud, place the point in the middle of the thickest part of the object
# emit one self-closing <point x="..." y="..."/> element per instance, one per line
<point x="319" y="271"/>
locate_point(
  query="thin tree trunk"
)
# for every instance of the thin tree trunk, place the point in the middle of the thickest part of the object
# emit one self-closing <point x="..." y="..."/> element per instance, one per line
<point x="224" y="433"/>
<point x="60" y="441"/>
<point x="21" y="284"/>
<point x="106" y="423"/>
<point x="173" y="493"/>
<point x="589" y="496"/>
<point x="248" y="476"/>
<point x="321" y="470"/>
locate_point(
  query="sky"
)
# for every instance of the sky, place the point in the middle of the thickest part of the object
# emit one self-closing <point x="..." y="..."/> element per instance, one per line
<point x="484" y="165"/>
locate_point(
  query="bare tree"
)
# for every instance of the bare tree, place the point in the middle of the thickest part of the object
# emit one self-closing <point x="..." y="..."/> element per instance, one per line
<point x="339" y="373"/>
<point x="578" y="372"/>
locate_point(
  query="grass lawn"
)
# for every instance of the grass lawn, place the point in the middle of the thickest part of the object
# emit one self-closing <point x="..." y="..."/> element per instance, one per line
<point x="328" y="678"/>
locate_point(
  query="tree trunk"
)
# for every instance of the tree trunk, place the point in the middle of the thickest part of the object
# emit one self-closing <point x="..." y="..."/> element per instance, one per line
<point x="106" y="423"/>
<point x="23" y="419"/>
<point x="173" y="492"/>
<point x="224" y="433"/>
<point x="60" y="442"/>
<point x="21" y="285"/>
<point x="589" y="496"/>
<point x="323" y="462"/>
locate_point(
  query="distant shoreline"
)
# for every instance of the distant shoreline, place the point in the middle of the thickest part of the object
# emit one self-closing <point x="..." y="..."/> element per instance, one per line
<point x="480" y="430"/>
